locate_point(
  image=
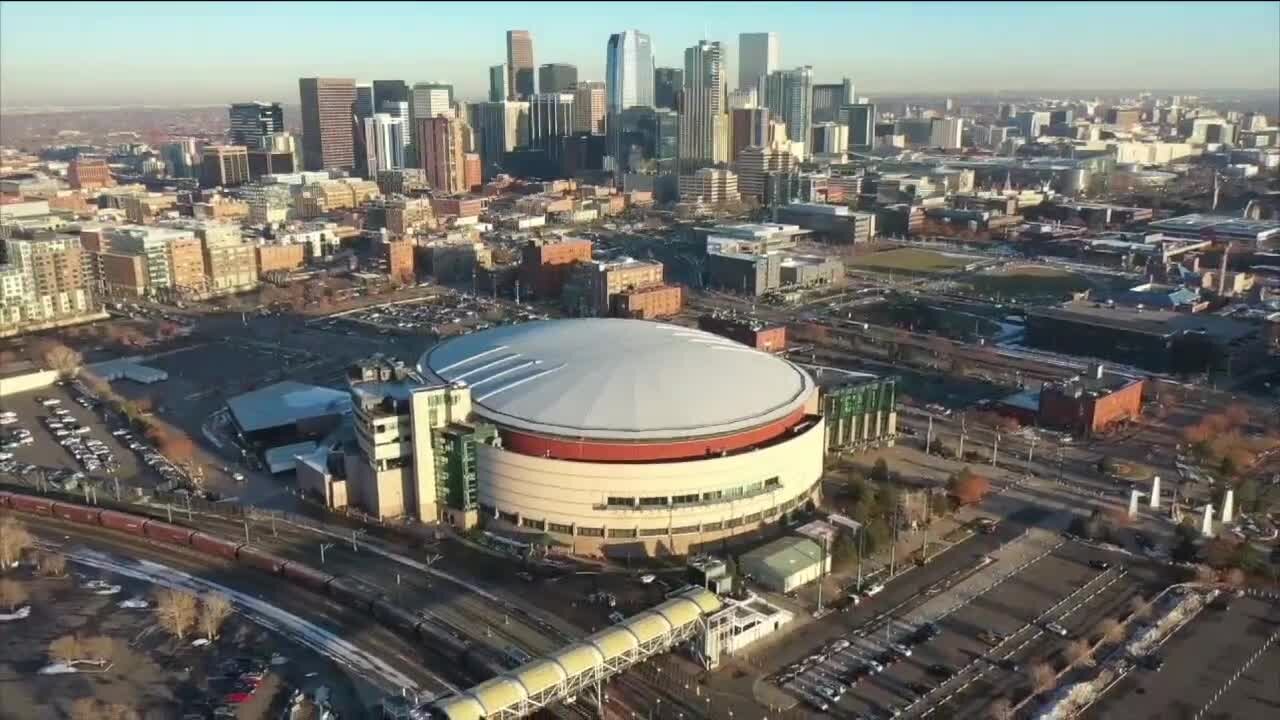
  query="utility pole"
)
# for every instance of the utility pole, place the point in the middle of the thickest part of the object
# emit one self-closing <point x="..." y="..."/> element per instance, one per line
<point x="995" y="448"/>
<point x="323" y="547"/>
<point x="246" y="528"/>
<point x="1030" y="452"/>
<point x="962" y="433"/>
<point x="928" y="435"/>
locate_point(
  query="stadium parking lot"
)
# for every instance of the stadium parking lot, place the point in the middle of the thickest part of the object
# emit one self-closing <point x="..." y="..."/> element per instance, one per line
<point x="442" y="314"/>
<point x="103" y="446"/>
<point x="1199" y="660"/>
<point x="953" y="663"/>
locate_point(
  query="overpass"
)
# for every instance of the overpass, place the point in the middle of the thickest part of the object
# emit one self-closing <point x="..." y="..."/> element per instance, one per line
<point x="583" y="666"/>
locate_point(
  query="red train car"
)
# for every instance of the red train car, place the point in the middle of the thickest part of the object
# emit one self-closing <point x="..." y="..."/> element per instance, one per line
<point x="353" y="593"/>
<point x="4" y="498"/>
<point x="260" y="559"/>
<point x="77" y="513"/>
<point x="122" y="521"/>
<point x="213" y="545"/>
<point x="28" y="503"/>
<point x="164" y="532"/>
<point x="307" y="576"/>
<point x="396" y="616"/>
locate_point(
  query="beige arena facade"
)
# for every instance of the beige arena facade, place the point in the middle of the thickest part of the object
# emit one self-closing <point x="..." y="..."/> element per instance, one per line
<point x="629" y="437"/>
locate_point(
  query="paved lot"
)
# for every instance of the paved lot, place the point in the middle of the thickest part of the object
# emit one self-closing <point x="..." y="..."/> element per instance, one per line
<point x="46" y="452"/>
<point x="1199" y="660"/>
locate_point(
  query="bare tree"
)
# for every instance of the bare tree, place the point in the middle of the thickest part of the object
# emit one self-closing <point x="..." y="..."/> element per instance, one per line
<point x="14" y="540"/>
<point x="1000" y="709"/>
<point x="12" y="594"/>
<point x="101" y="648"/>
<point x="214" y="609"/>
<point x="1111" y="630"/>
<point x="177" y="611"/>
<point x="1043" y="678"/>
<point x="1079" y="653"/>
<point x="53" y="565"/>
<point x="61" y="358"/>
<point x="65" y="649"/>
<point x="1139" y="606"/>
<point x="1233" y="577"/>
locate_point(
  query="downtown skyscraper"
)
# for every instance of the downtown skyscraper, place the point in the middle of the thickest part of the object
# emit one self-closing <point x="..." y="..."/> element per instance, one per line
<point x="253" y="121"/>
<point x="628" y="82"/>
<point x="328" y="127"/>
<point x="520" y="67"/>
<point x="703" y="131"/>
<point x="757" y="57"/>
<point x="789" y="94"/>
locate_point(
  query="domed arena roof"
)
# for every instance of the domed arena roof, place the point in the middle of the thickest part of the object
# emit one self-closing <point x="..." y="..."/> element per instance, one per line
<point x="613" y="379"/>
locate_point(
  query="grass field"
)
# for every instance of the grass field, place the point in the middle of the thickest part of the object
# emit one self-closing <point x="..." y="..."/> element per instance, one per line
<point x="1028" y="281"/>
<point x="911" y="260"/>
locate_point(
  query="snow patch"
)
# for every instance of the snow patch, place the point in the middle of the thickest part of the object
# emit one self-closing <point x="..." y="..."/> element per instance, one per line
<point x="58" y="669"/>
<point x="134" y="604"/>
<point x="261" y="612"/>
<point x="199" y="642"/>
<point x="21" y="613"/>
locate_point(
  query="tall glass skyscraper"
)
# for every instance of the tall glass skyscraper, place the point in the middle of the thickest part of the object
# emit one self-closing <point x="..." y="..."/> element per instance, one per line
<point x="788" y="95"/>
<point x="628" y="82"/>
<point x="703" y="140"/>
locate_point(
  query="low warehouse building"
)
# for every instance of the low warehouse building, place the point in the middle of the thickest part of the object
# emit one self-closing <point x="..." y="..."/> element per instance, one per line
<point x="786" y="563"/>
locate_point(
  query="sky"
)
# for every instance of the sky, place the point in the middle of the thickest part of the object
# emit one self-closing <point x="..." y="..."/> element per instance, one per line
<point x="209" y="53"/>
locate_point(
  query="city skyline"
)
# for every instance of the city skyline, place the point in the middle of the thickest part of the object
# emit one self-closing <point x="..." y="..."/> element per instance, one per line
<point x="921" y="47"/>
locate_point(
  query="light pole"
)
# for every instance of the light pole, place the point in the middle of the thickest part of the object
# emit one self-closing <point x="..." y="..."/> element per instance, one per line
<point x="323" y="547"/>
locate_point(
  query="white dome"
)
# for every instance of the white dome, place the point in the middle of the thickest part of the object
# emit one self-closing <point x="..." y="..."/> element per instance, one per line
<point x="618" y="379"/>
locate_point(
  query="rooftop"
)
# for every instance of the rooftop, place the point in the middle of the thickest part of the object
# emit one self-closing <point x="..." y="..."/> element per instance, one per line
<point x="284" y="403"/>
<point x="618" y="379"/>
<point x="1150" y="322"/>
<point x="787" y="555"/>
<point x="1225" y="225"/>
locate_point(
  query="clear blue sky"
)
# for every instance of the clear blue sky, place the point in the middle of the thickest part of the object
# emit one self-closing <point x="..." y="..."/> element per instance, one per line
<point x="210" y="53"/>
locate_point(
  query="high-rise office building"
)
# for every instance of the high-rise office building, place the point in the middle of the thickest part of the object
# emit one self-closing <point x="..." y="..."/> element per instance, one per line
<point x="253" y="121"/>
<point x="788" y="95"/>
<point x="749" y="127"/>
<point x="365" y="105"/>
<point x="945" y="133"/>
<point x="224" y="165"/>
<point x="429" y="99"/>
<point x="628" y="82"/>
<point x="667" y="84"/>
<point x="498" y="83"/>
<point x="828" y="98"/>
<point x="520" y="79"/>
<point x="829" y="138"/>
<point x="500" y="128"/>
<point x="1031" y="122"/>
<point x="383" y="143"/>
<point x="550" y="117"/>
<point x="385" y="91"/>
<point x="703" y="129"/>
<point x="861" y="121"/>
<point x="757" y="57"/>
<point x="557" y="78"/>
<point x="399" y="109"/>
<point x="441" y="152"/>
<point x="328" y="105"/>
<point x="86" y="173"/>
<point x="589" y="107"/>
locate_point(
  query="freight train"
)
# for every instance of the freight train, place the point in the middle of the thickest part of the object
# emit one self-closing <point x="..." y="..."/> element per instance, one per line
<point x="478" y="661"/>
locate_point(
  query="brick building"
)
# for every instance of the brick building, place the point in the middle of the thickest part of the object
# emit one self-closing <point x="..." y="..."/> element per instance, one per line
<point x="544" y="268"/>
<point x="281" y="258"/>
<point x="647" y="303"/>
<point x="398" y="256"/>
<point x="459" y="206"/>
<point x="746" y="330"/>
<point x="1091" y="404"/>
<point x="89" y="173"/>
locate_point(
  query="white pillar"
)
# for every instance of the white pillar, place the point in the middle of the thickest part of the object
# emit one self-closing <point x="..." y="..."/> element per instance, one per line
<point x="1206" y="526"/>
<point x="1228" y="505"/>
<point x="1133" y="504"/>
<point x="1155" y="492"/>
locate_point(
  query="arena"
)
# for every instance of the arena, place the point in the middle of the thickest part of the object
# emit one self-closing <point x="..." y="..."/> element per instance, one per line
<point x="625" y="436"/>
